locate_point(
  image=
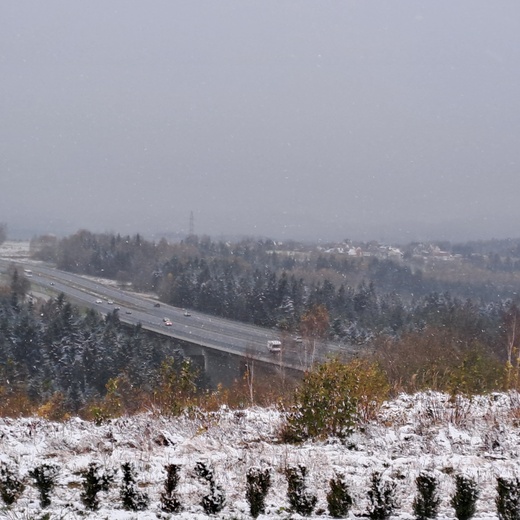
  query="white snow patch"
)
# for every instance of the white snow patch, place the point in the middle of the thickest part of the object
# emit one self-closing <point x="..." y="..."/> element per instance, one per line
<point x="429" y="431"/>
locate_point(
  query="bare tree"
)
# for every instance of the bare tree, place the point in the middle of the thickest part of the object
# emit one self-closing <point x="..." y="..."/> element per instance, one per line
<point x="314" y="326"/>
<point x="512" y="329"/>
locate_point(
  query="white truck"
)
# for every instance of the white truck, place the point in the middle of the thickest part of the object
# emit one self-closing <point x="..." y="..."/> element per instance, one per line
<point x="274" y="345"/>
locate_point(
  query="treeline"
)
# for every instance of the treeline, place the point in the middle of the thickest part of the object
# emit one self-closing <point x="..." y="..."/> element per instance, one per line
<point x="255" y="281"/>
<point x="53" y="354"/>
<point x="57" y="360"/>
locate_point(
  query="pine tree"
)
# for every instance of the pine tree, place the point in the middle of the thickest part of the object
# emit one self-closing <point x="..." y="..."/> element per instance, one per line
<point x="11" y="486"/>
<point x="93" y="483"/>
<point x="170" y="502"/>
<point x="258" y="484"/>
<point x="131" y="497"/>
<point x="45" y="477"/>
<point x="426" y="503"/>
<point x="300" y="500"/>
<point x="508" y="499"/>
<point x="339" y="500"/>
<point x="464" y="501"/>
<point x="215" y="500"/>
<point x="381" y="497"/>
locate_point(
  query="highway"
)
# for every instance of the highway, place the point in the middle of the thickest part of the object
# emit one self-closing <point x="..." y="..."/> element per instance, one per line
<point x="201" y="329"/>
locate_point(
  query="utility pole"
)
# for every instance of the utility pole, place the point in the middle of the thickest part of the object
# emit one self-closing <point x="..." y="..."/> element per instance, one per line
<point x="192" y="224"/>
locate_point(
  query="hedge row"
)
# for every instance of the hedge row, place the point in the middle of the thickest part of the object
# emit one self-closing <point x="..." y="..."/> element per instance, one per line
<point x="381" y="495"/>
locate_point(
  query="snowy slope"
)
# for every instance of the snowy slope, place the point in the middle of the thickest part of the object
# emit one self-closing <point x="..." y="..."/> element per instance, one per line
<point x="480" y="438"/>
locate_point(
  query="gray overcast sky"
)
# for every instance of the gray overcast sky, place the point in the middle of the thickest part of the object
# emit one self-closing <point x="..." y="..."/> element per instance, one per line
<point x="284" y="118"/>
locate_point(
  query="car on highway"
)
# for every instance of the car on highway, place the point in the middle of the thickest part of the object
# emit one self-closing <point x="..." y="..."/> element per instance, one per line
<point x="186" y="313"/>
<point x="156" y="304"/>
<point x="274" y="345"/>
<point x="99" y="301"/>
<point x="168" y="323"/>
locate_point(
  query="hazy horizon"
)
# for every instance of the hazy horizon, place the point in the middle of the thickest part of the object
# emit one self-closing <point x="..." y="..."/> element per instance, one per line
<point x="290" y="120"/>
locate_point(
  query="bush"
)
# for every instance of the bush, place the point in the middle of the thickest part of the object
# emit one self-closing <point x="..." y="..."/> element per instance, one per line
<point x="215" y="500"/>
<point x="339" y="500"/>
<point x="258" y="484"/>
<point x="464" y="501"/>
<point x="426" y="503"/>
<point x="93" y="483"/>
<point x="11" y="487"/>
<point x="381" y="497"/>
<point x="170" y="502"/>
<point x="300" y="500"/>
<point x="508" y="499"/>
<point x="131" y="497"/>
<point x="45" y="477"/>
<point x="332" y="398"/>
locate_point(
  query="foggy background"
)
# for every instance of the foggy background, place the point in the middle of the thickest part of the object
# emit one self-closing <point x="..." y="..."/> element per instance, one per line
<point x="297" y="119"/>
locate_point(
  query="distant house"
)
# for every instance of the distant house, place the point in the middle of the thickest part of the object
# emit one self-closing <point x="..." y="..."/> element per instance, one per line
<point x="438" y="253"/>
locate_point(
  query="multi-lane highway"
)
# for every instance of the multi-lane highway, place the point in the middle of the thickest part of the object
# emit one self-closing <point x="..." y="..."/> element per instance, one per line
<point x="197" y="328"/>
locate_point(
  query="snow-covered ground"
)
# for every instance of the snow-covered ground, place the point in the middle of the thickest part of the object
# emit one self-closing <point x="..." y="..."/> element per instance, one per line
<point x="478" y="437"/>
<point x="14" y="250"/>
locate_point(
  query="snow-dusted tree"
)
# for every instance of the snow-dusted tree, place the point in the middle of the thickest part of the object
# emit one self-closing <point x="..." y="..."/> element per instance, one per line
<point x="170" y="502"/>
<point x="323" y="405"/>
<point x="508" y="498"/>
<point x="427" y="501"/>
<point x="131" y="497"/>
<point x="20" y="284"/>
<point x="381" y="497"/>
<point x="339" y="500"/>
<point x="300" y="500"/>
<point x="93" y="483"/>
<point x="464" y="501"/>
<point x="11" y="486"/>
<point x="332" y="398"/>
<point x="45" y="477"/>
<point x="215" y="500"/>
<point x="257" y="486"/>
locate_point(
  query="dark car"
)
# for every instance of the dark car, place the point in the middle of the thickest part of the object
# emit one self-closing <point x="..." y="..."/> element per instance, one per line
<point x="156" y="304"/>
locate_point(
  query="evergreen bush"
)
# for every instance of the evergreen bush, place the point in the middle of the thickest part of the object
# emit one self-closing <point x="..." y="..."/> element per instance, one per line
<point x="215" y="500"/>
<point x="323" y="406"/>
<point x="170" y="502"/>
<point x="93" y="483"/>
<point x="131" y="498"/>
<point x="426" y="503"/>
<point x="381" y="497"/>
<point x="508" y="499"/>
<point x="339" y="500"/>
<point x="332" y="398"/>
<point x="464" y="501"/>
<point x="45" y="477"/>
<point x="11" y="486"/>
<point x="300" y="500"/>
<point x="257" y="486"/>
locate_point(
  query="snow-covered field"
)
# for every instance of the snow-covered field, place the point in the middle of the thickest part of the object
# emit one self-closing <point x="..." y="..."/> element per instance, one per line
<point x="14" y="250"/>
<point x="480" y="438"/>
